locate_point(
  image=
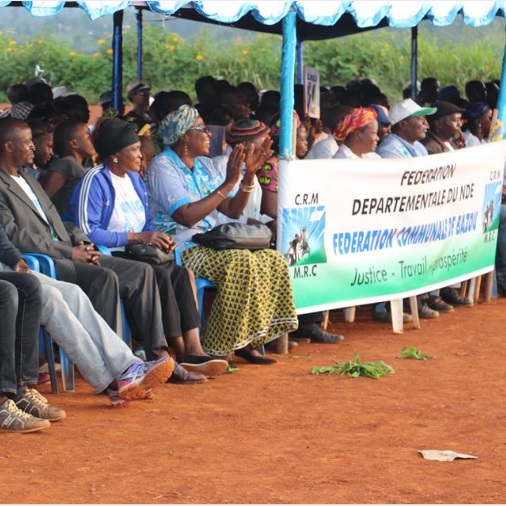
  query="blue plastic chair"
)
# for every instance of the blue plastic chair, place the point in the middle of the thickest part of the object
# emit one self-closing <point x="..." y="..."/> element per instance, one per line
<point x="45" y="265"/>
<point x="45" y="341"/>
<point x="201" y="284"/>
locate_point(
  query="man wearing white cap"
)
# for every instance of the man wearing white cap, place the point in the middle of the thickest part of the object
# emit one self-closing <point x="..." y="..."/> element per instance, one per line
<point x="409" y="127"/>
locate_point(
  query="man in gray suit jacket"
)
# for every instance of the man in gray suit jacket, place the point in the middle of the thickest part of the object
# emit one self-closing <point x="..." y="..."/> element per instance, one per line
<point x="34" y="226"/>
<point x="103" y="359"/>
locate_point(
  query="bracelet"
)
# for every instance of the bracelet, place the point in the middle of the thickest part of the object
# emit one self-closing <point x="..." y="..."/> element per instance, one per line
<point x="246" y="188"/>
<point x="221" y="194"/>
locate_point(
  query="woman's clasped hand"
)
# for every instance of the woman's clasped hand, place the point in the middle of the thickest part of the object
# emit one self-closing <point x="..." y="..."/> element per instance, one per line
<point x="158" y="239"/>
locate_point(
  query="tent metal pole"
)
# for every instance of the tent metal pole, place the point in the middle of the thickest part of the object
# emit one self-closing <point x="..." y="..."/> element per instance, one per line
<point x="300" y="61"/>
<point x="500" y="133"/>
<point x="287" y="84"/>
<point x="117" y="60"/>
<point x="139" y="44"/>
<point x="414" y="61"/>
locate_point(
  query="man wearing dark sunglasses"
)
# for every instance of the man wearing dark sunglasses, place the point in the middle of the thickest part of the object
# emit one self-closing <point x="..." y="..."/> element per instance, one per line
<point x="138" y="93"/>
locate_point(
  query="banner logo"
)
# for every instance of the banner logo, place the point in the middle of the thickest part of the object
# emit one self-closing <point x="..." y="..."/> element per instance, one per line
<point x="303" y="236"/>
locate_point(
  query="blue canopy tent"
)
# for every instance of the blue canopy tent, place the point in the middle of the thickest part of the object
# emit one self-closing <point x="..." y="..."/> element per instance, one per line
<point x="297" y="20"/>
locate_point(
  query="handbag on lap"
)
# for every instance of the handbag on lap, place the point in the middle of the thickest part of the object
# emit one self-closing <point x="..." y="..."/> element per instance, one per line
<point x="236" y="236"/>
<point x="149" y="253"/>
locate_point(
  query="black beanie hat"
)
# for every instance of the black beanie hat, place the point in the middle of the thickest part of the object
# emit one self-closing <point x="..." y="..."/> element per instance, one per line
<point x="114" y="135"/>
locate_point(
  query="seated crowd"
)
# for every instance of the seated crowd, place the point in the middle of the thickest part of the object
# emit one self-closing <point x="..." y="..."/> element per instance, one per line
<point x="166" y="170"/>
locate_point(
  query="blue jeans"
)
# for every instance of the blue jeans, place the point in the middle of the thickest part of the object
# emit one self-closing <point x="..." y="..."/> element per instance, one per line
<point x="69" y="317"/>
<point x="500" y="259"/>
<point x="20" y="309"/>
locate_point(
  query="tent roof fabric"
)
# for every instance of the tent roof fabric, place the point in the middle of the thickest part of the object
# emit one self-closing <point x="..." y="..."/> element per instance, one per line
<point x="269" y="13"/>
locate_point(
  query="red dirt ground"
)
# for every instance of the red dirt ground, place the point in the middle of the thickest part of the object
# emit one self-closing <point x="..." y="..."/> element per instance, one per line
<point x="277" y="434"/>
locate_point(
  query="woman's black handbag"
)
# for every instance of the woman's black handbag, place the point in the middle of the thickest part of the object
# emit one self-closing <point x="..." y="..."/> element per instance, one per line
<point x="236" y="236"/>
<point x="146" y="252"/>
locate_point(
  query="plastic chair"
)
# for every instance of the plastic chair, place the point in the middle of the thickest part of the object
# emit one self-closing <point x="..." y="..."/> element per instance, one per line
<point x="45" y="341"/>
<point x="45" y="265"/>
<point x="201" y="284"/>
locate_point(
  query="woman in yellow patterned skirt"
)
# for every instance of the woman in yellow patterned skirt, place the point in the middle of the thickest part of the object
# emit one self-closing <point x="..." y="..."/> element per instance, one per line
<point x="254" y="302"/>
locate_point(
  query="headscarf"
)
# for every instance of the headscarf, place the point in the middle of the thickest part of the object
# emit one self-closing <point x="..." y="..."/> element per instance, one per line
<point x="114" y="135"/>
<point x="177" y="123"/>
<point x="353" y="121"/>
<point x="275" y="124"/>
<point x="474" y="111"/>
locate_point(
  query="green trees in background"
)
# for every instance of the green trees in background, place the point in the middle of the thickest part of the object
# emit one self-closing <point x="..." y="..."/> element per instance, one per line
<point x="171" y="62"/>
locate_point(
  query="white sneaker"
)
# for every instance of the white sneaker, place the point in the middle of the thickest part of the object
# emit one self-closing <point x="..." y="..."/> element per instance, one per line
<point x="12" y="419"/>
<point x="33" y="403"/>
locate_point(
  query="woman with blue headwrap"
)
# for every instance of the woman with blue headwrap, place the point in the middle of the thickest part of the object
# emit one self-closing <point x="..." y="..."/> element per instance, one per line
<point x="477" y="121"/>
<point x="187" y="195"/>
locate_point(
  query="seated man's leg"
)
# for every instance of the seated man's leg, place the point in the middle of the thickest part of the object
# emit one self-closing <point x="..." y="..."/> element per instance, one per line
<point x="21" y="409"/>
<point x="73" y="334"/>
<point x="139" y="291"/>
<point x="101" y="285"/>
<point x="27" y="326"/>
<point x="310" y="327"/>
<point x="101" y="356"/>
<point x="9" y="309"/>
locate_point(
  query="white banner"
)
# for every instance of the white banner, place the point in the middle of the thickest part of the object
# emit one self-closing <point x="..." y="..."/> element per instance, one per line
<point x="363" y="231"/>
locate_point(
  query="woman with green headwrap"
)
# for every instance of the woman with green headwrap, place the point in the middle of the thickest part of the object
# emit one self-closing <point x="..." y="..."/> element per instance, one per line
<point x="187" y="195"/>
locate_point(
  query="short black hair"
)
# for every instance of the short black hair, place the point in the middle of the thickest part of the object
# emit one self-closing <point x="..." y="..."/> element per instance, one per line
<point x="40" y="127"/>
<point x="63" y="134"/>
<point x="166" y="102"/>
<point x="7" y="128"/>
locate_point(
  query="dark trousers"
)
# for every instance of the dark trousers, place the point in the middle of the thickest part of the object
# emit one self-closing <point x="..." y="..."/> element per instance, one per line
<point x="133" y="282"/>
<point x="139" y="291"/>
<point x="178" y="309"/>
<point x="306" y="320"/>
<point x="180" y="312"/>
<point x="100" y="285"/>
<point x="20" y="307"/>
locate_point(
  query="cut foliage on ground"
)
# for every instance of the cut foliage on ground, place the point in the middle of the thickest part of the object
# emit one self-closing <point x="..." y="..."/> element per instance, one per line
<point x="356" y="368"/>
<point x="277" y="434"/>
<point x="413" y="353"/>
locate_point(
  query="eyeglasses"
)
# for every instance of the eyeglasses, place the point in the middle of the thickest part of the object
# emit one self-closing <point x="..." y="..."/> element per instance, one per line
<point x="202" y="128"/>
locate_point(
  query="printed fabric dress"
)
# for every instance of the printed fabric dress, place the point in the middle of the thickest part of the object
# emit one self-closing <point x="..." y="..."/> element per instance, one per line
<point x="254" y="301"/>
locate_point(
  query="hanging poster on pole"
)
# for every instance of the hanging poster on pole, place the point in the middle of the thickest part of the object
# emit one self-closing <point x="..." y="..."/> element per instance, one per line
<point x="311" y="92"/>
<point x="364" y="231"/>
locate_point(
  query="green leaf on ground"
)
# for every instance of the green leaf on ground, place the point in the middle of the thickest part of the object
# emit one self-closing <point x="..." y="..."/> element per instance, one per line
<point x="356" y="368"/>
<point x="230" y="369"/>
<point x="413" y="353"/>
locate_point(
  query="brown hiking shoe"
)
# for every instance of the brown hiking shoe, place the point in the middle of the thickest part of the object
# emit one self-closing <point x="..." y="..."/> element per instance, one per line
<point x="31" y="402"/>
<point x="12" y="419"/>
